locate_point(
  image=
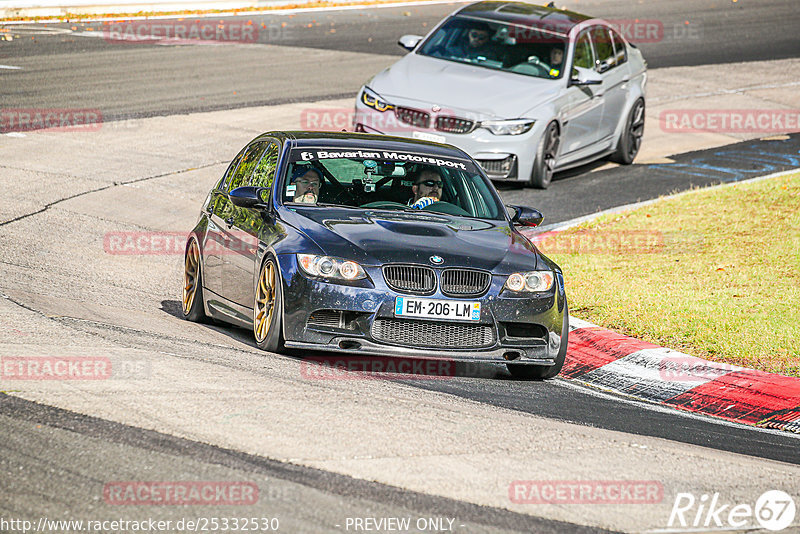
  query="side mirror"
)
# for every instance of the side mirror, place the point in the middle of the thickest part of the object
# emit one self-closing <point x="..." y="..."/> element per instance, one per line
<point x="583" y="76"/>
<point x="524" y="216"/>
<point x="248" y="197"/>
<point x="409" y="42"/>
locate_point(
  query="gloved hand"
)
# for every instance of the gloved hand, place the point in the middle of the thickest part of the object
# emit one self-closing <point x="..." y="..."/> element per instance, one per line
<point x="424" y="201"/>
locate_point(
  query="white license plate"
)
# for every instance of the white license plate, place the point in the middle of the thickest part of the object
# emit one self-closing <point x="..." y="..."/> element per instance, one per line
<point x="425" y="136"/>
<point x="437" y="309"/>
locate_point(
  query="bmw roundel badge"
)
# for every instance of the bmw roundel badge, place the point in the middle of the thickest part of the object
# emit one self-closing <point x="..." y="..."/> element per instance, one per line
<point x="437" y="260"/>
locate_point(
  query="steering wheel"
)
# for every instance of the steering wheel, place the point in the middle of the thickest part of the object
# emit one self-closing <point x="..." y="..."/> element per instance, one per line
<point x="447" y="208"/>
<point x="346" y="193"/>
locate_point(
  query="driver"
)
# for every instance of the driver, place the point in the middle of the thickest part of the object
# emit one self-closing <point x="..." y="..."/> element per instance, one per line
<point x="308" y="182"/>
<point x="476" y="43"/>
<point x="427" y="189"/>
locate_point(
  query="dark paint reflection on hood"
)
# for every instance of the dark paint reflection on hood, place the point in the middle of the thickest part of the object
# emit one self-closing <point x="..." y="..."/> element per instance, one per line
<point x="374" y="237"/>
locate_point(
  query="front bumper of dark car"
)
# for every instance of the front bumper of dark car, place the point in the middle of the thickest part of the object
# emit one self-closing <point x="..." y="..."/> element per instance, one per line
<point x="360" y="319"/>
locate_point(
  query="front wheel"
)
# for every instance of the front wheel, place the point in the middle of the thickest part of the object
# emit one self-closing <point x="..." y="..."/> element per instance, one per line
<point x="541" y="372"/>
<point x="268" y="308"/>
<point x="192" y="297"/>
<point x="546" y="154"/>
<point x="630" y="140"/>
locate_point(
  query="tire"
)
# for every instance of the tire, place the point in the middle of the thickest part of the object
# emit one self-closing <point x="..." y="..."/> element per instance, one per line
<point x="630" y="140"/>
<point x="542" y="372"/>
<point x="542" y="173"/>
<point x="192" y="297"/>
<point x="268" y="308"/>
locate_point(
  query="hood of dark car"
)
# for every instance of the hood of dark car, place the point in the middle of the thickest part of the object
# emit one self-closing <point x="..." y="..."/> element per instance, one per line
<point x="381" y="237"/>
<point x="488" y="93"/>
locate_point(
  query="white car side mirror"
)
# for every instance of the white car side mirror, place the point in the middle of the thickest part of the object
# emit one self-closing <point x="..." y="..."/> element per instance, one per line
<point x="409" y="42"/>
<point x="584" y="76"/>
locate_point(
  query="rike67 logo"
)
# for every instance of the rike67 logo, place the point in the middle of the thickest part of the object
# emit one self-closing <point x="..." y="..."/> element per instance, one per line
<point x="774" y="510"/>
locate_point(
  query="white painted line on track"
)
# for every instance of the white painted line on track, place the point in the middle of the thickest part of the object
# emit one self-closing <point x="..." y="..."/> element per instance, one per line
<point x="235" y="13"/>
<point x="10" y="67"/>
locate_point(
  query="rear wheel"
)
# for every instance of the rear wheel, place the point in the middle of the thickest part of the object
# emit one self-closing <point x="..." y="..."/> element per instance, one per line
<point x="541" y="372"/>
<point x="268" y="308"/>
<point x="630" y="140"/>
<point x="545" y="162"/>
<point x="192" y="298"/>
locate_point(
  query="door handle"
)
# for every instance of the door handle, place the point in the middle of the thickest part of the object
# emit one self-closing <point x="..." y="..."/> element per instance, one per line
<point x="229" y="222"/>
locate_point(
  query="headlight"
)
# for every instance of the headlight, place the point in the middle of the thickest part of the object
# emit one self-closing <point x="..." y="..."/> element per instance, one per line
<point x="531" y="281"/>
<point x="510" y="127"/>
<point x="330" y="268"/>
<point x="371" y="99"/>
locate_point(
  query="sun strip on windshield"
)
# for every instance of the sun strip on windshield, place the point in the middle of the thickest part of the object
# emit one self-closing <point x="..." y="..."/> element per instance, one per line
<point x="313" y="154"/>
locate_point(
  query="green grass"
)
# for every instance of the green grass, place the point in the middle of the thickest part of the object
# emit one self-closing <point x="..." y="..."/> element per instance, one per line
<point x="714" y="273"/>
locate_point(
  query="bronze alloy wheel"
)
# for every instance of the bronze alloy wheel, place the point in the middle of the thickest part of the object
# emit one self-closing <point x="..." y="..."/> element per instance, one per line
<point x="265" y="302"/>
<point x="268" y="308"/>
<point x="191" y="277"/>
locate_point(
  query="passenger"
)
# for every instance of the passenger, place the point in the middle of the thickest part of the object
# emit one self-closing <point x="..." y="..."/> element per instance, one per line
<point x="556" y="57"/>
<point x="307" y="185"/>
<point x="427" y="189"/>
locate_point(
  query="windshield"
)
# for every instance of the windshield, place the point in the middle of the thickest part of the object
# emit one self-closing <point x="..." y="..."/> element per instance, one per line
<point x="382" y="179"/>
<point x="500" y="46"/>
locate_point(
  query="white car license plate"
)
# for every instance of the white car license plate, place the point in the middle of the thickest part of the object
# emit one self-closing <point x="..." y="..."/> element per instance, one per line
<point x="425" y="136"/>
<point x="437" y="309"/>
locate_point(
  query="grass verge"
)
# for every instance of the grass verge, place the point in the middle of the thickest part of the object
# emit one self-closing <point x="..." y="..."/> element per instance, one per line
<point x="714" y="273"/>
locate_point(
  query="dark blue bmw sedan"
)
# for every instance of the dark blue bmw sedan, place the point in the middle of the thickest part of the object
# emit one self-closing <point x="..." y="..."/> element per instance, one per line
<point x="374" y="245"/>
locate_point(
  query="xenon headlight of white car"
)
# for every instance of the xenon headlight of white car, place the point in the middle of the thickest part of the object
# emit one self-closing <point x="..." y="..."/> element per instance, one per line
<point x="508" y="127"/>
<point x="531" y="281"/>
<point x="371" y="99"/>
<point x="330" y="268"/>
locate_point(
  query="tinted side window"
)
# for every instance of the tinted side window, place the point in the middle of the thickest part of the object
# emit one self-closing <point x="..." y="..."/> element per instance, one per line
<point x="249" y="160"/>
<point x="264" y="174"/>
<point x="584" y="57"/>
<point x="620" y="54"/>
<point x="231" y="168"/>
<point x="604" y="47"/>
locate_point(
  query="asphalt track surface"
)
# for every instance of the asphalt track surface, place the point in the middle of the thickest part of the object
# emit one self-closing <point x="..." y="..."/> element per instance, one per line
<point x="322" y="55"/>
<point x="147" y="80"/>
<point x="285" y="489"/>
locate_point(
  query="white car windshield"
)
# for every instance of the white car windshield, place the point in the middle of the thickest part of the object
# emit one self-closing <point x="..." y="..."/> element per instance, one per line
<point x="507" y="47"/>
<point x="394" y="180"/>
